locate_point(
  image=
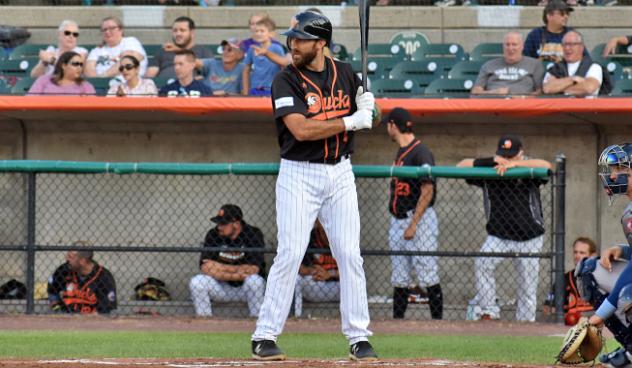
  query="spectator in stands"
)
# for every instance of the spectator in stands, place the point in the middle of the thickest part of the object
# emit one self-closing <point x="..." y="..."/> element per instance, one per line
<point x="576" y="74"/>
<point x="262" y="61"/>
<point x="67" y="36"/>
<point x="224" y="77"/>
<point x="318" y="279"/>
<point x="252" y="24"/>
<point x="81" y="285"/>
<point x="545" y="43"/>
<point x="133" y="85"/>
<point x="185" y="85"/>
<point x="182" y="38"/>
<point x="611" y="46"/>
<point x="104" y="61"/>
<point x="512" y="74"/>
<point x="66" y="78"/>
<point x="229" y="275"/>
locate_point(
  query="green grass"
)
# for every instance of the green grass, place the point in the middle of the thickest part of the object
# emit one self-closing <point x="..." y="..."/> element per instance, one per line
<point x="82" y="344"/>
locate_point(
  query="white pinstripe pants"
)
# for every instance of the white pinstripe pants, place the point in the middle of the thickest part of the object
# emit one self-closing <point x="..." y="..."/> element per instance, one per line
<point x="304" y="192"/>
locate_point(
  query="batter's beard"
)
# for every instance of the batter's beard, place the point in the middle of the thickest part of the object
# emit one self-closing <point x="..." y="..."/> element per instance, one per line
<point x="305" y="59"/>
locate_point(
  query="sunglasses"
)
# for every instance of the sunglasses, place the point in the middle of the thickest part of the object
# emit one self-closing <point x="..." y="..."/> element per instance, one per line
<point x="74" y="34"/>
<point x="126" y="67"/>
<point x="76" y="63"/>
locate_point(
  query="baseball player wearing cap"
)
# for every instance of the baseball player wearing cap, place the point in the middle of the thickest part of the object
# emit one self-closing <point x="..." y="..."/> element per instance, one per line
<point x="414" y="224"/>
<point x="318" y="103"/>
<point x="514" y="224"/>
<point x="230" y="275"/>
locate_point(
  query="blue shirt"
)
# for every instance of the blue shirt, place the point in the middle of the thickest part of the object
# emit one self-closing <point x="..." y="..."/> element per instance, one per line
<point x="195" y="89"/>
<point x="263" y="69"/>
<point x="219" y="79"/>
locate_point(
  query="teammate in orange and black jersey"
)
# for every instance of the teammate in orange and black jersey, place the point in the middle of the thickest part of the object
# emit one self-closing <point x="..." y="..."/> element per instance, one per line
<point x="316" y="95"/>
<point x="81" y="285"/>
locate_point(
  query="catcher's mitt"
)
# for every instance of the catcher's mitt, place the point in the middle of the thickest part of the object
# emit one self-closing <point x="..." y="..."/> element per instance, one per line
<point x="582" y="344"/>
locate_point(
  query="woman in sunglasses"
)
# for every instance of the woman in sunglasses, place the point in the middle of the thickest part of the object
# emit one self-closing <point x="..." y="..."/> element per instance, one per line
<point x="66" y="78"/>
<point x="133" y="85"/>
<point x="67" y="37"/>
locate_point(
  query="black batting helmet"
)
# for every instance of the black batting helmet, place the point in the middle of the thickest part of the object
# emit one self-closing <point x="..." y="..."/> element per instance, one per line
<point x="310" y="26"/>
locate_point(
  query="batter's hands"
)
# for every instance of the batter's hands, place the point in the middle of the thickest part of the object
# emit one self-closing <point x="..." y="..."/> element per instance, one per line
<point x="410" y="231"/>
<point x="596" y="321"/>
<point x="364" y="100"/>
<point x="361" y="119"/>
<point x="609" y="255"/>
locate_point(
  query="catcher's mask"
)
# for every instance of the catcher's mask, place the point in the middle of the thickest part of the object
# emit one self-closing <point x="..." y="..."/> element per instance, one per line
<point x="309" y="26"/>
<point x="625" y="301"/>
<point x="152" y="289"/>
<point x="615" y="157"/>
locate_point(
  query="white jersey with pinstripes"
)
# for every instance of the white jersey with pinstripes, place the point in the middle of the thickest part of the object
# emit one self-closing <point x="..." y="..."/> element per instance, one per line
<point x="306" y="191"/>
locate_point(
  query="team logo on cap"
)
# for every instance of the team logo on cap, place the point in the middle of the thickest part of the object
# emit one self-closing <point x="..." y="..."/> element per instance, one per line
<point x="313" y="102"/>
<point x="220" y="213"/>
<point x="507" y="144"/>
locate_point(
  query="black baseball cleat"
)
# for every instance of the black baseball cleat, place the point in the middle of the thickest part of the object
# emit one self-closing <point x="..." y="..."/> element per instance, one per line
<point x="267" y="350"/>
<point x="362" y="351"/>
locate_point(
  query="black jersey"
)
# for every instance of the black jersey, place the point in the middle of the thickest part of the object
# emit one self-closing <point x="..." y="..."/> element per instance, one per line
<point x="75" y="293"/>
<point x="512" y="206"/>
<point x="322" y="95"/>
<point x="405" y="192"/>
<point x="250" y="237"/>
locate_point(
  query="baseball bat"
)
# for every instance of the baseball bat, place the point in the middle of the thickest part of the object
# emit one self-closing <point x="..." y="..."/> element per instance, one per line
<point x="363" y="9"/>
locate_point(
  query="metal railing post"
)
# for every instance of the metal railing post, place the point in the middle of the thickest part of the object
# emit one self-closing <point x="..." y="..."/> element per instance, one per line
<point x="559" y="187"/>
<point x="30" y="244"/>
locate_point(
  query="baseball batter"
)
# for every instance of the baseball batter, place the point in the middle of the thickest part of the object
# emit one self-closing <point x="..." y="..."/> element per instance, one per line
<point x="414" y="224"/>
<point x="318" y="104"/>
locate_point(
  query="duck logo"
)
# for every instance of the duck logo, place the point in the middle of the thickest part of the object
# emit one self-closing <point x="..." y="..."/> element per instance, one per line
<point x="313" y="102"/>
<point x="507" y="144"/>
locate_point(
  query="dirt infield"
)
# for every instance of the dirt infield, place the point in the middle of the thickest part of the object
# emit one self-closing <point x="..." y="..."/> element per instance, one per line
<point x="209" y="363"/>
<point x="161" y="323"/>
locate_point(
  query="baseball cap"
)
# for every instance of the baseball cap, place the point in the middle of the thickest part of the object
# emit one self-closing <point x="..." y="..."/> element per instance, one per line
<point x="561" y="5"/>
<point x="508" y="145"/>
<point x="232" y="42"/>
<point x="400" y="117"/>
<point x="228" y="213"/>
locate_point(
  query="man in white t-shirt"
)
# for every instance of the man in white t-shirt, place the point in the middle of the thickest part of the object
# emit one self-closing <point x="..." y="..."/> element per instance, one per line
<point x="67" y="37"/>
<point x="103" y="61"/>
<point x="576" y="75"/>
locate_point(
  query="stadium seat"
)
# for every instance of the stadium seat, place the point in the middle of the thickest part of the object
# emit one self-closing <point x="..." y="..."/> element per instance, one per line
<point x="377" y="68"/>
<point x="449" y="88"/>
<point x="622" y="87"/>
<point x="3" y="53"/>
<point x="4" y="89"/>
<point x="622" y="55"/>
<point x="339" y="51"/>
<point x="395" y="88"/>
<point x="216" y="49"/>
<point x="440" y="50"/>
<point x="162" y="81"/>
<point x="17" y="68"/>
<point x="614" y="68"/>
<point x="410" y="41"/>
<point x="102" y="85"/>
<point x="486" y="51"/>
<point x="152" y="50"/>
<point x="382" y="51"/>
<point x="466" y="70"/>
<point x="22" y="86"/>
<point x="30" y="50"/>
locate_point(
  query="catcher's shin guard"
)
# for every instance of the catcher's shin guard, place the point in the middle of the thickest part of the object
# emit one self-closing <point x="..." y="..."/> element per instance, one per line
<point x="435" y="301"/>
<point x="400" y="302"/>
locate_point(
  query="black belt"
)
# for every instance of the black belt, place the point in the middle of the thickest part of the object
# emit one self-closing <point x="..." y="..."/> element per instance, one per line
<point x="400" y="216"/>
<point x="331" y="161"/>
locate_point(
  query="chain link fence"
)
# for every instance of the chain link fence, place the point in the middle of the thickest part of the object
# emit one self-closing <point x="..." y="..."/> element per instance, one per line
<point x="154" y="225"/>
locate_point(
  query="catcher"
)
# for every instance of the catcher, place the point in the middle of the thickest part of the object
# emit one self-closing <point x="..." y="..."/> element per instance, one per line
<point x="607" y="283"/>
